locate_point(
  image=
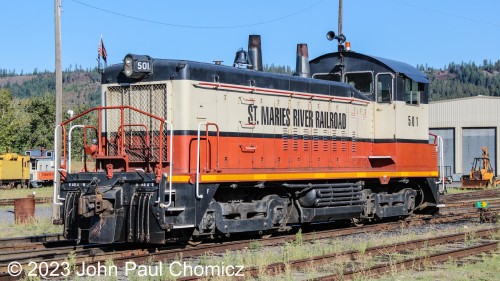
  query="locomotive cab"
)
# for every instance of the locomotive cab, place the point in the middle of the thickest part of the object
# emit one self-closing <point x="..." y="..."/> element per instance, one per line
<point x="399" y="95"/>
<point x="379" y="79"/>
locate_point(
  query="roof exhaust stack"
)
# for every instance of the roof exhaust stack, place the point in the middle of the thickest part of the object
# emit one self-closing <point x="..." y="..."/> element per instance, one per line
<point x="255" y="52"/>
<point x="302" y="66"/>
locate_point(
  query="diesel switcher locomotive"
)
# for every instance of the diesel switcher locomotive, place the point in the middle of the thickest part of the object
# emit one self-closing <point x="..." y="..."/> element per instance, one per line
<point x="187" y="151"/>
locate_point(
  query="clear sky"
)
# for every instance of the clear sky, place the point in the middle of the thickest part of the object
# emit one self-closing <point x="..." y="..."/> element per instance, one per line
<point x="433" y="32"/>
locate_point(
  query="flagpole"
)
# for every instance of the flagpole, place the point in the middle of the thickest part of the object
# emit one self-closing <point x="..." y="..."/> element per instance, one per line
<point x="99" y="63"/>
<point x="99" y="56"/>
<point x="101" y="51"/>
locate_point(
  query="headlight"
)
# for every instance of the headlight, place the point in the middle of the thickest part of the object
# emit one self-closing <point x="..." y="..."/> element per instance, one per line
<point x="137" y="66"/>
<point x="127" y="67"/>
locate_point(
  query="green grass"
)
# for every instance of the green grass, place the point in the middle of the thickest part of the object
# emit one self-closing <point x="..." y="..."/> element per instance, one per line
<point x="298" y="249"/>
<point x="23" y="192"/>
<point x="34" y="227"/>
<point x="456" y="190"/>
<point x="487" y="270"/>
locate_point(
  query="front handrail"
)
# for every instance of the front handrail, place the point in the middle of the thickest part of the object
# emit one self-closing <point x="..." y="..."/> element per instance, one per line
<point x="122" y="108"/>
<point x="121" y="130"/>
<point x="100" y="110"/>
<point x="207" y="146"/>
<point x="69" y="144"/>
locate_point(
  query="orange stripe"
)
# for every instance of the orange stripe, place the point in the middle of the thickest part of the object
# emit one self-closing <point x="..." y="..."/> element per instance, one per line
<point x="210" y="178"/>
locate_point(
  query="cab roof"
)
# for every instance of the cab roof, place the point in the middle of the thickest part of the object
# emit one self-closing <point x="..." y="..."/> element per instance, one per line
<point x="360" y="61"/>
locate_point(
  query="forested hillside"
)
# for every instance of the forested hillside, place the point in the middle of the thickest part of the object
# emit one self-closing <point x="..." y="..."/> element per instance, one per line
<point x="27" y="105"/>
<point x="27" y="100"/>
<point x="463" y="80"/>
<point x="79" y="86"/>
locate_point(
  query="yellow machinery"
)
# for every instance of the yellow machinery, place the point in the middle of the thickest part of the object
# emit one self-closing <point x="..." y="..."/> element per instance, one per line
<point x="14" y="170"/>
<point x="481" y="174"/>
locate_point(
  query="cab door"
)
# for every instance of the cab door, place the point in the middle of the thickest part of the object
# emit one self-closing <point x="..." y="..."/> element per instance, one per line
<point x="411" y="114"/>
<point x="412" y="118"/>
<point x="384" y="118"/>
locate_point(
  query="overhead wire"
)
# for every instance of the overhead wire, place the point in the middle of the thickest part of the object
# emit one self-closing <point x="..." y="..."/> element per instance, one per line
<point x="445" y="13"/>
<point x="198" y="26"/>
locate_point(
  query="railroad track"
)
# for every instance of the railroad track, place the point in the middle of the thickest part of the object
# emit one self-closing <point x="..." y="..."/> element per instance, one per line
<point x="31" y="239"/>
<point x="34" y="246"/>
<point x="46" y="248"/>
<point x="38" y="200"/>
<point x="469" y="203"/>
<point x="456" y="247"/>
<point x="473" y="195"/>
<point x="384" y="250"/>
<point x="93" y="255"/>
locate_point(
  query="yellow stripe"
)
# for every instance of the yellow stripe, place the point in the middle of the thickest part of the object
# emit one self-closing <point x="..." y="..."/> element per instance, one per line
<point x="303" y="176"/>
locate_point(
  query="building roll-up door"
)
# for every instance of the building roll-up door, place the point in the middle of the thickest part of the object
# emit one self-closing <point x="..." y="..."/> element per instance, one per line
<point x="473" y="139"/>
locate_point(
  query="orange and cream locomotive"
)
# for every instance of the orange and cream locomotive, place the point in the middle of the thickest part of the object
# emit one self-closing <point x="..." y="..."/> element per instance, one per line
<point x="187" y="150"/>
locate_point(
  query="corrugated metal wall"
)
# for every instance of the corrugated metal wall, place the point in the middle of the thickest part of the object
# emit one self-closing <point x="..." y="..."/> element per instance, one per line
<point x="471" y="112"/>
<point x="480" y="118"/>
<point x="449" y="148"/>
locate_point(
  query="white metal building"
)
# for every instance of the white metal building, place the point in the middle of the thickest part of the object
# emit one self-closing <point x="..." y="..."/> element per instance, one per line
<point x="466" y="125"/>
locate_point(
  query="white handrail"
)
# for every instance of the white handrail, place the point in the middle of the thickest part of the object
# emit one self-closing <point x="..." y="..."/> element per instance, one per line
<point x="441" y="163"/>
<point x="163" y="205"/>
<point x="55" y="197"/>
<point x="198" y="195"/>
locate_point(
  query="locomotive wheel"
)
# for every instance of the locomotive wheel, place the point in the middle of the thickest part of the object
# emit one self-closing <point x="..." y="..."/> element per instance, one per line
<point x="265" y="235"/>
<point x="194" y="242"/>
<point x="419" y="199"/>
<point x="357" y="222"/>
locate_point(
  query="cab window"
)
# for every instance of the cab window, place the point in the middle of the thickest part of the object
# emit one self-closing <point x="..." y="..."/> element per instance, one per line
<point x="413" y="90"/>
<point x="362" y="81"/>
<point x="384" y="88"/>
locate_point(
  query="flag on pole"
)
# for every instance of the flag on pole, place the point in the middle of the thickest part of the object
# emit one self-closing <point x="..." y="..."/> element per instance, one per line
<point x="101" y="51"/>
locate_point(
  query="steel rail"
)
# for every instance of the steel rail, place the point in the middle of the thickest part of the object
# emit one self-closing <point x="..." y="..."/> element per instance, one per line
<point x="154" y="253"/>
<point x="441" y="257"/>
<point x="38" y="200"/>
<point x="280" y="267"/>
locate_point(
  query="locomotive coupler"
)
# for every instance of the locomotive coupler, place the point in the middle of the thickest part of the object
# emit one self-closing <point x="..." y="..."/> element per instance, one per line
<point x="91" y="205"/>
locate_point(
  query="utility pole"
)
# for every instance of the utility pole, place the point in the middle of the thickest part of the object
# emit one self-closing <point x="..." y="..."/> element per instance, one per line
<point x="57" y="142"/>
<point x="340" y="17"/>
<point x="340" y="24"/>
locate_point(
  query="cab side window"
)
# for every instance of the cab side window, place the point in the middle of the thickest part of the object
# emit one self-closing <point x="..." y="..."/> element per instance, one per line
<point x="384" y="88"/>
<point x="362" y="81"/>
<point x="413" y="90"/>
